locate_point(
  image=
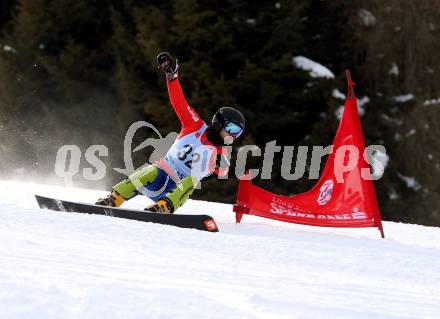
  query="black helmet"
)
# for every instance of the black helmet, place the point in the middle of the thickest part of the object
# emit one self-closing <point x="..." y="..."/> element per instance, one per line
<point x="230" y="119"/>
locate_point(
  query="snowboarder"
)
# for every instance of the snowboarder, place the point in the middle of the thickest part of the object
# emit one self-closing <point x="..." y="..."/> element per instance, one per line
<point x="170" y="181"/>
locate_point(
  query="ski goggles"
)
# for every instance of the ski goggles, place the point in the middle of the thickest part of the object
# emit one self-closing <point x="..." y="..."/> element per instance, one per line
<point x="233" y="129"/>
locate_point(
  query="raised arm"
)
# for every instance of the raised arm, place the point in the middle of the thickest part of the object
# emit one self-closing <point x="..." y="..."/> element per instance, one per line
<point x="187" y="115"/>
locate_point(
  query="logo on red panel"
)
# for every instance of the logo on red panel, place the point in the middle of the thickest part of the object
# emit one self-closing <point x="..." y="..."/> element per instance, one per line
<point x="193" y="114"/>
<point x="325" y="192"/>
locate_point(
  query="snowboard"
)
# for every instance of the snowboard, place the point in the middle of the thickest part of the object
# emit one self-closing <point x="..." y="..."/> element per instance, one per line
<point x="200" y="222"/>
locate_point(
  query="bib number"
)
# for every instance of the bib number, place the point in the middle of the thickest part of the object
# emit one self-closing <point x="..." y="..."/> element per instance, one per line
<point x="187" y="157"/>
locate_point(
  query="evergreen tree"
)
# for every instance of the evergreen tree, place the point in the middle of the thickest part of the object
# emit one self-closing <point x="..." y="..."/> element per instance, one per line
<point x="80" y="72"/>
<point x="56" y="81"/>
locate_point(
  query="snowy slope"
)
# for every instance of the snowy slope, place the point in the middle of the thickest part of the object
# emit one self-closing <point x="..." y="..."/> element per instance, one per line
<point x="60" y="265"/>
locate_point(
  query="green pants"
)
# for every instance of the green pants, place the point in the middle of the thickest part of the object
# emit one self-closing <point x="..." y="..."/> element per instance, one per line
<point x="152" y="182"/>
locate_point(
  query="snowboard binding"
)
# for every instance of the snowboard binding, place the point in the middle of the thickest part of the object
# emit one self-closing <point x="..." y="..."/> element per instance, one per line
<point x="114" y="199"/>
<point x="162" y="207"/>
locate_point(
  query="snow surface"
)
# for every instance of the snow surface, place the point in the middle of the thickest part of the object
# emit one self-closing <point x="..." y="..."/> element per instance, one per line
<point x="338" y="94"/>
<point x="411" y="132"/>
<point x="316" y="70"/>
<point x="394" y="70"/>
<point x="432" y="102"/>
<point x="62" y="265"/>
<point x="366" y="18"/>
<point x="8" y="48"/>
<point x="410" y="182"/>
<point x="361" y="103"/>
<point x="403" y="98"/>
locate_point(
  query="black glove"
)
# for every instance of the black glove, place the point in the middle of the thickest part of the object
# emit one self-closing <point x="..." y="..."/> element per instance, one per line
<point x="168" y="65"/>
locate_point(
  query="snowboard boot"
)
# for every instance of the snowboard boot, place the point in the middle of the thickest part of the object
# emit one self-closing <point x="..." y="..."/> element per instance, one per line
<point x="112" y="200"/>
<point x="168" y="65"/>
<point x="161" y="207"/>
<point x="174" y="199"/>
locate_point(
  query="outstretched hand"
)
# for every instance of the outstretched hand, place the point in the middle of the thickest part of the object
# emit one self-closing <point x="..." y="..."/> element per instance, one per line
<point x="168" y="65"/>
